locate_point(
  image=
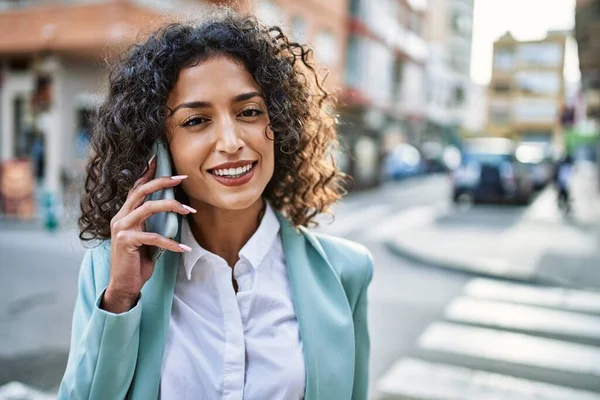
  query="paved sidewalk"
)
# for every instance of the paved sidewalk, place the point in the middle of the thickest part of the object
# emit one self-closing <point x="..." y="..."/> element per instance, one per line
<point x="536" y="244"/>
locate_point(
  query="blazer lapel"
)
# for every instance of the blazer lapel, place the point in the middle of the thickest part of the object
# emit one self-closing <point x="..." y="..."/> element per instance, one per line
<point x="323" y="313"/>
<point x="157" y="301"/>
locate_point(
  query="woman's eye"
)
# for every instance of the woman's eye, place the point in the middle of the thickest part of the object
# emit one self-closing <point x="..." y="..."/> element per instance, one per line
<point x="251" y="113"/>
<point x="194" y="121"/>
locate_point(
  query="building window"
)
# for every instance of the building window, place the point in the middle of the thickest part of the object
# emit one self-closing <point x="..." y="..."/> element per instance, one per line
<point x="299" y="29"/>
<point x="540" y="83"/>
<point x="355" y="8"/>
<point x="504" y="59"/>
<point x="352" y="64"/>
<point x="502" y="87"/>
<point x="8" y="4"/>
<point x="414" y="23"/>
<point x="458" y="96"/>
<point x="398" y="73"/>
<point x="462" y="24"/>
<point x="499" y="115"/>
<point x="326" y="47"/>
<point x="547" y="55"/>
<point x="460" y="61"/>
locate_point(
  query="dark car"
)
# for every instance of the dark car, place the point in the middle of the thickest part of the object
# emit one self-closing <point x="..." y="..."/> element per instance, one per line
<point x="489" y="171"/>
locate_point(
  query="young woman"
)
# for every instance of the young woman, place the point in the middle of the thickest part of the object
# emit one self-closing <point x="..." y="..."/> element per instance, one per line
<point x="246" y="303"/>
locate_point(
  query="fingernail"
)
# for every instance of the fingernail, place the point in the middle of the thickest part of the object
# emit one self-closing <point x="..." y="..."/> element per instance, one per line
<point x="190" y="209"/>
<point x="151" y="159"/>
<point x="186" y="248"/>
<point x="179" y="177"/>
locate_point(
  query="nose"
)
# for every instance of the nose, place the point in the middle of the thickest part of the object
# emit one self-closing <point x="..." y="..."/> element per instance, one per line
<point x="229" y="140"/>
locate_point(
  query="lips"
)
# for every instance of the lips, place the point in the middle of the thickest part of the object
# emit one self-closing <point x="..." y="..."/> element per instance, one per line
<point x="234" y="174"/>
<point x="232" y="169"/>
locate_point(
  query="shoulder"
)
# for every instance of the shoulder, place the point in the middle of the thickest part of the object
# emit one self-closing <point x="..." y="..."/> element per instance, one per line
<point x="95" y="267"/>
<point x="352" y="262"/>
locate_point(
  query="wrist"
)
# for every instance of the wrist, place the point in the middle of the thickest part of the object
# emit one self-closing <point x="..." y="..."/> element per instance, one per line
<point x="118" y="302"/>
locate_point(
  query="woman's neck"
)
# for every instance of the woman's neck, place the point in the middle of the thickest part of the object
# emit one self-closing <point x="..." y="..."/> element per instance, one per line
<point x="224" y="232"/>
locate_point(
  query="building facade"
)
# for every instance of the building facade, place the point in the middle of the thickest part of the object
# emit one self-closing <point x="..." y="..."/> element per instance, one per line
<point x="587" y="25"/>
<point x="527" y="89"/>
<point x="449" y="34"/>
<point x="319" y="23"/>
<point x="383" y="99"/>
<point x="53" y="67"/>
<point x="53" y="71"/>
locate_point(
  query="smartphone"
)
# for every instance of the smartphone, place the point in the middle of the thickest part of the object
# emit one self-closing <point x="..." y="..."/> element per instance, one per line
<point x="165" y="223"/>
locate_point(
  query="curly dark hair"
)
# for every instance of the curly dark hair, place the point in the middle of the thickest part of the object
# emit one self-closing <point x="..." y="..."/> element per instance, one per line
<point x="306" y="180"/>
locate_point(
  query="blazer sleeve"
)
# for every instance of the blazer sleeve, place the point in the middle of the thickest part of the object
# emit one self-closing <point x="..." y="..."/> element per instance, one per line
<point x="361" y="336"/>
<point x="104" y="346"/>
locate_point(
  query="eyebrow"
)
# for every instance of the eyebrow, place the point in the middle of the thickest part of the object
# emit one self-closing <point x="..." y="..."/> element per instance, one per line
<point x="205" y="104"/>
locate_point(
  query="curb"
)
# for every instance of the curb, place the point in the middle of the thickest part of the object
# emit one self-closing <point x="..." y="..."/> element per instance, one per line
<point x="480" y="267"/>
<point x="483" y="268"/>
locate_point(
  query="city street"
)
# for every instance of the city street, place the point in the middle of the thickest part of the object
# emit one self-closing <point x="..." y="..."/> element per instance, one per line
<point x="438" y="107"/>
<point x="434" y="331"/>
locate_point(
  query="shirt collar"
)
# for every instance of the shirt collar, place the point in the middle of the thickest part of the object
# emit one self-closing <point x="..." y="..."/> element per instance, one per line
<point x="190" y="258"/>
<point x="254" y="251"/>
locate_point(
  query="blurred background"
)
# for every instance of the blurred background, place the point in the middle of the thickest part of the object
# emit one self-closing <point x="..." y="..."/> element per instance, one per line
<point x="469" y="127"/>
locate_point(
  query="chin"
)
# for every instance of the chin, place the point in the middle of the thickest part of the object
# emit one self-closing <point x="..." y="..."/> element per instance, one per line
<point x="237" y="202"/>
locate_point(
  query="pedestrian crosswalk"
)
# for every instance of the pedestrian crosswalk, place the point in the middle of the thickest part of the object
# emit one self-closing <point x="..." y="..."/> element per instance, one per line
<point x="504" y="340"/>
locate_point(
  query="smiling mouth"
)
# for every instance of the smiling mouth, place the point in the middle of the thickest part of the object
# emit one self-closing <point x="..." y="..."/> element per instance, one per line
<point x="233" y="173"/>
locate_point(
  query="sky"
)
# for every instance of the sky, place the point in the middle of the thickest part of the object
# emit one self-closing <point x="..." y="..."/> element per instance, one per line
<point x="526" y="20"/>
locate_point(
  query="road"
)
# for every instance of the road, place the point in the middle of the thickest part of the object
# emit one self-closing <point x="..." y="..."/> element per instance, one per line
<point x="409" y="303"/>
<point x="442" y="334"/>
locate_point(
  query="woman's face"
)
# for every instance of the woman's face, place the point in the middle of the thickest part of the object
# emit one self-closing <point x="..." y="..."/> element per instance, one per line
<point x="218" y="135"/>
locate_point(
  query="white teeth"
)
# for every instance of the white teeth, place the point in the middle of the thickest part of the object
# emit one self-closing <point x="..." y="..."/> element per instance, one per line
<point x="232" y="171"/>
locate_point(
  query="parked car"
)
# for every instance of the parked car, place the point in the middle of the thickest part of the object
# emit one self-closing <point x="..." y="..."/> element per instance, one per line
<point x="404" y="161"/>
<point x="489" y="171"/>
<point x="538" y="162"/>
<point x="433" y="161"/>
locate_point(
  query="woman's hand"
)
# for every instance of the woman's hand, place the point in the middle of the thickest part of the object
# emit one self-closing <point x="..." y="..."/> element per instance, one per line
<point x="130" y="266"/>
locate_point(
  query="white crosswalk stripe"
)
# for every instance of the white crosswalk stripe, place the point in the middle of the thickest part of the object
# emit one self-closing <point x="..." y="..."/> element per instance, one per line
<point x="419" y="380"/>
<point x="504" y="315"/>
<point x="500" y="324"/>
<point x="567" y="299"/>
<point x="19" y="391"/>
<point x="517" y="348"/>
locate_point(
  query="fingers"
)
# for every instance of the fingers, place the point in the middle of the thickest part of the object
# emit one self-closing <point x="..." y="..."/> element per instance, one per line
<point x="145" y="211"/>
<point x="138" y="195"/>
<point x="135" y="239"/>
<point x="145" y="186"/>
<point x="148" y="174"/>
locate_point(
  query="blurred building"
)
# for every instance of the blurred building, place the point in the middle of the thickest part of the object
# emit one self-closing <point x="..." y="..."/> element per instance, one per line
<point x="383" y="97"/>
<point x="527" y="89"/>
<point x="449" y="34"/>
<point x="320" y="23"/>
<point x="587" y="26"/>
<point x="53" y="65"/>
<point x="53" y="73"/>
<point x="475" y="117"/>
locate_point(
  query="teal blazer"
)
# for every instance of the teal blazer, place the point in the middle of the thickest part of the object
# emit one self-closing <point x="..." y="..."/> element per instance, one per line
<point x="117" y="356"/>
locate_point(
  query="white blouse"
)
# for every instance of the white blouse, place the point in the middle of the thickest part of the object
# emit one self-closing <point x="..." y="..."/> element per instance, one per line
<point x="223" y="345"/>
